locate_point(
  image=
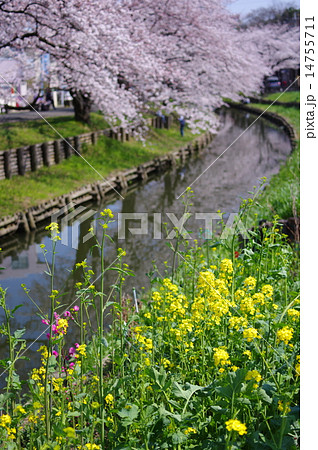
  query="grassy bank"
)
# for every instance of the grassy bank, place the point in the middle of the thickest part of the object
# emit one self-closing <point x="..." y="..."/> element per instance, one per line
<point x="282" y="195"/>
<point x="29" y="132"/>
<point x="286" y="97"/>
<point x="105" y="157"/>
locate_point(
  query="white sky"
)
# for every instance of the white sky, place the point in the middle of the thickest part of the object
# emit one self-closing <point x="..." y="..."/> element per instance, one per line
<point x="245" y="6"/>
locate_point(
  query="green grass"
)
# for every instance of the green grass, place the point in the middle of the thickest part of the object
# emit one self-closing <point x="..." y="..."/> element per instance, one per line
<point x="282" y="195"/>
<point x="18" y="134"/>
<point x="289" y="96"/>
<point x="106" y="156"/>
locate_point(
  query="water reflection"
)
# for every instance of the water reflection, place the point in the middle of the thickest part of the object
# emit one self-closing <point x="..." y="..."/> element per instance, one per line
<point x="258" y="152"/>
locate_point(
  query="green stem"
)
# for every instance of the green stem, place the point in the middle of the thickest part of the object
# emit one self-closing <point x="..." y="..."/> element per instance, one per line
<point x="101" y="332"/>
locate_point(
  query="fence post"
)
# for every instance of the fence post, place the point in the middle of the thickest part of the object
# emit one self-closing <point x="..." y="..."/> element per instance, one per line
<point x="77" y="145"/>
<point x="94" y="137"/>
<point x="33" y="158"/>
<point x="7" y="164"/>
<point x="45" y="154"/>
<point x="21" y="160"/>
<point x="67" y="148"/>
<point x="57" y="154"/>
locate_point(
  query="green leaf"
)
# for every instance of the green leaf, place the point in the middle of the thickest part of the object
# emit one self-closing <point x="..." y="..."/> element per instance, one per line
<point x="73" y="414"/>
<point x="128" y="414"/>
<point x="178" y="437"/>
<point x="104" y="342"/>
<point x="15" y="308"/>
<point x="264" y="396"/>
<point x="164" y="413"/>
<point x="187" y="393"/>
<point x="225" y="391"/>
<point x="19" y="333"/>
<point x="158" y="377"/>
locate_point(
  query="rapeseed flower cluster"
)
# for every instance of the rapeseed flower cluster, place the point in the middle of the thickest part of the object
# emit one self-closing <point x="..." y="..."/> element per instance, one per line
<point x="54" y="229"/>
<point x="251" y="333"/>
<point x="221" y="357"/>
<point x="196" y="338"/>
<point x="5" y="422"/>
<point x="285" y="334"/>
<point x="236" y="425"/>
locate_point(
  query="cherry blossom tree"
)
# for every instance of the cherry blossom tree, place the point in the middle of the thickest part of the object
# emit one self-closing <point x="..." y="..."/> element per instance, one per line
<point x="278" y="46"/>
<point x="127" y="56"/>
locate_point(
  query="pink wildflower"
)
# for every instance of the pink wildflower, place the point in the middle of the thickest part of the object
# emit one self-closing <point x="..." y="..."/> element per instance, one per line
<point x="72" y="351"/>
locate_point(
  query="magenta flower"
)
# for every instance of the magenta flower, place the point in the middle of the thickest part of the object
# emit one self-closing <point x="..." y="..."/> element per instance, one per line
<point x="76" y="308"/>
<point x="72" y="351"/>
<point x="67" y="314"/>
<point x="55" y="353"/>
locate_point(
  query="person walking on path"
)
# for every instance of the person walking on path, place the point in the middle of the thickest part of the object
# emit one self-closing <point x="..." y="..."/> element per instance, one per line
<point x="182" y="125"/>
<point x="49" y="97"/>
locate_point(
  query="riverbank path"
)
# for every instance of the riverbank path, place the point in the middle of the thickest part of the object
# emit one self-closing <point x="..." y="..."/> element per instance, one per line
<point x="22" y="116"/>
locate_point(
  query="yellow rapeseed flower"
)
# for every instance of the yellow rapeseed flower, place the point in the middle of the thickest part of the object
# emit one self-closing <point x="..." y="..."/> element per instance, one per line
<point x="226" y="266"/>
<point x="285" y="334"/>
<point x="268" y="290"/>
<point x="253" y="375"/>
<point x="19" y="409"/>
<point x="109" y="399"/>
<point x="283" y="407"/>
<point x="190" y="430"/>
<point x="248" y="354"/>
<point x="237" y="322"/>
<point x="294" y="314"/>
<point x="221" y="356"/>
<point x="81" y="349"/>
<point x="236" y="425"/>
<point x="250" y="283"/>
<point x="5" y="420"/>
<point x="251" y="333"/>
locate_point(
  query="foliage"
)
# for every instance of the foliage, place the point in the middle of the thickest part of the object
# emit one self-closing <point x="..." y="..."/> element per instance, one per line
<point x="282" y="195"/>
<point x="210" y="360"/>
<point x="275" y="14"/>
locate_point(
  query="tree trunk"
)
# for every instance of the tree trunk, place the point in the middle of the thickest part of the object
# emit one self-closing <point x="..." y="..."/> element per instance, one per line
<point x="82" y="105"/>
